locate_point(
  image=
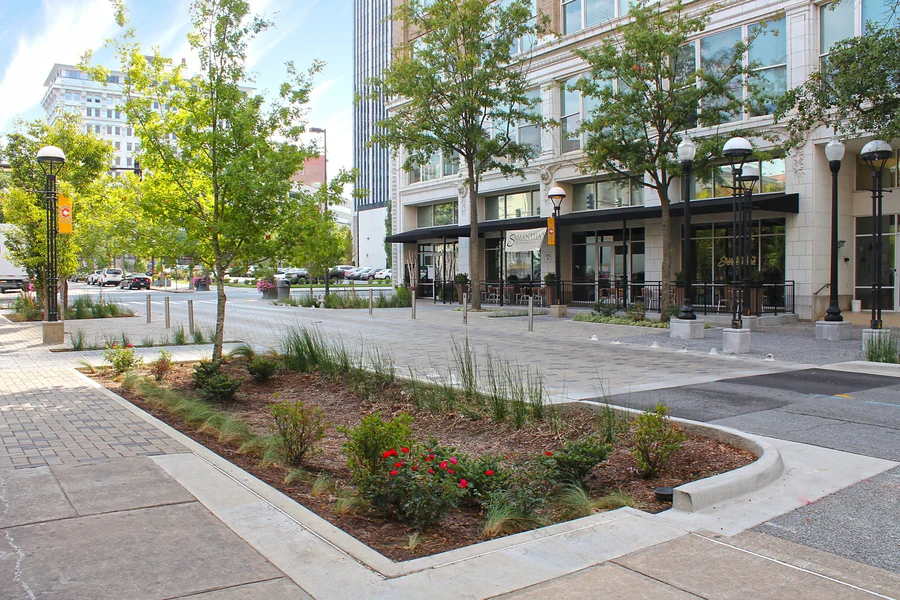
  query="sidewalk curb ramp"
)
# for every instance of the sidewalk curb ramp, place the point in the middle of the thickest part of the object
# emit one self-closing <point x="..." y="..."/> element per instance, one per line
<point x="703" y="493"/>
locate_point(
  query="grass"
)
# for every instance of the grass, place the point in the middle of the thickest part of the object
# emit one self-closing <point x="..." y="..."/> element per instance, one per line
<point x="504" y="520"/>
<point x="573" y="502"/>
<point x="883" y="349"/>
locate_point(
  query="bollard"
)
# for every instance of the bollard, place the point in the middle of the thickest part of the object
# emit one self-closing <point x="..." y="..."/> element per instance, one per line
<point x="412" y="295"/>
<point x="191" y="316"/>
<point x="531" y="313"/>
<point x="168" y="321"/>
<point x="371" y="292"/>
<point x="465" y="300"/>
<point x="149" y="317"/>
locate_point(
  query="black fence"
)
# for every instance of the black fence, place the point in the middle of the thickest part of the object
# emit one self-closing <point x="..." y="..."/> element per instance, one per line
<point x="709" y="298"/>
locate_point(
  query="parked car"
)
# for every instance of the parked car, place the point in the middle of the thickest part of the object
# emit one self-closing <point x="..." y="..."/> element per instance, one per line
<point x="296" y="276"/>
<point x="111" y="277"/>
<point x="94" y="277"/>
<point x="339" y="273"/>
<point x="381" y="274"/>
<point x="135" y="281"/>
<point x="364" y="274"/>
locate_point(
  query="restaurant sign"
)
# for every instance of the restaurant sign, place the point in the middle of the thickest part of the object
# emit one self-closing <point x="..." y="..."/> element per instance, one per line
<point x="524" y="240"/>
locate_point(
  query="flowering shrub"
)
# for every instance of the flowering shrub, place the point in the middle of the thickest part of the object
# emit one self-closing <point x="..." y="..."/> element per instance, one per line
<point x="122" y="357"/>
<point x="298" y="428"/>
<point x="484" y="477"/>
<point x="265" y="284"/>
<point x="414" y="485"/>
<point x="161" y="365"/>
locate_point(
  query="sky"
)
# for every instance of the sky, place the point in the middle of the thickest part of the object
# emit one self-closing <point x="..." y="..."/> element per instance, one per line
<point x="36" y="34"/>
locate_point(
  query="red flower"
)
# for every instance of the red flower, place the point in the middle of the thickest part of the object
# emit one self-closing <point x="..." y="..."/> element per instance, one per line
<point x="415" y="468"/>
<point x="404" y="449"/>
<point x="489" y="472"/>
<point x="548" y="453"/>
<point x="395" y="472"/>
<point x="453" y="459"/>
<point x="463" y="483"/>
<point x="398" y="465"/>
<point x="431" y="471"/>
<point x="443" y="464"/>
<point x="389" y="453"/>
<point x="451" y="471"/>
<point x="130" y="346"/>
<point x="431" y="457"/>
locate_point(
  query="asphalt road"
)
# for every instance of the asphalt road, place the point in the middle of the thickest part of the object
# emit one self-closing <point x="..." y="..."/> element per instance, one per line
<point x="846" y="411"/>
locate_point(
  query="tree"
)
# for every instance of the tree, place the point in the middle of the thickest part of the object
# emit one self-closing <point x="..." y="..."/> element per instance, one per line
<point x="314" y="239"/>
<point x="87" y="158"/>
<point x="462" y="93"/>
<point x="659" y="93"/>
<point x="218" y="157"/>
<point x="856" y="92"/>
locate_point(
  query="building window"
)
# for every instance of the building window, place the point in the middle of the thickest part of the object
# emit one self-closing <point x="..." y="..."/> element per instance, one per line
<point x="578" y="14"/>
<point x="77" y="97"/>
<point x="118" y="161"/>
<point x="451" y="165"/>
<point x="607" y="193"/>
<point x="526" y="43"/>
<point x="118" y="130"/>
<point x="528" y="134"/>
<point x="768" y="54"/>
<point x="109" y="113"/>
<point x="570" y="116"/>
<point x="117" y="115"/>
<point x="771" y="172"/>
<point x="512" y="206"/>
<point x="128" y="132"/>
<point x="712" y="245"/>
<point x="96" y="129"/>
<point x="865" y="261"/>
<point x="128" y="146"/>
<point x="435" y="168"/>
<point x="117" y="145"/>
<point x="435" y="215"/>
<point x="128" y="162"/>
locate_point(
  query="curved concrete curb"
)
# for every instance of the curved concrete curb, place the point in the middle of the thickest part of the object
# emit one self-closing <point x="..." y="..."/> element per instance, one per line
<point x="703" y="493"/>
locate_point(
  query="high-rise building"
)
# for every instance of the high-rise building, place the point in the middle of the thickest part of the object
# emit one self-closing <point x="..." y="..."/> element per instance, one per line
<point x="371" y="54"/>
<point x="70" y="90"/>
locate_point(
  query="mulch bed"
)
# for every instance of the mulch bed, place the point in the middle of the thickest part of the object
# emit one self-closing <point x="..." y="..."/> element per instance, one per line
<point x="700" y="457"/>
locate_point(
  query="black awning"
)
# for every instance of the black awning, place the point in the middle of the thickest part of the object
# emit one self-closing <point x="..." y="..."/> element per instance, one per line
<point x="777" y="202"/>
<point x="458" y="231"/>
<point x="786" y="203"/>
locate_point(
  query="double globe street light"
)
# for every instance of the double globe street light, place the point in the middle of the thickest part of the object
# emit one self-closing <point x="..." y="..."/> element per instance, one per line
<point x="737" y="150"/>
<point x="876" y="154"/>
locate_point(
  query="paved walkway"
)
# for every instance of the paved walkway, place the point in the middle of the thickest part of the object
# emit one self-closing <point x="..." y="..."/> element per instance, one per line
<point x="99" y="500"/>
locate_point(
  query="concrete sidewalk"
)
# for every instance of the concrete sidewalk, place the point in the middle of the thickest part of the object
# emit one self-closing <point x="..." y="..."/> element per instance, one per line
<point x="100" y="500"/>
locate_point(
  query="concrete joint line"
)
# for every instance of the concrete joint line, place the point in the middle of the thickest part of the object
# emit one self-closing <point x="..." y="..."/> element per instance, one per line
<point x="654" y="578"/>
<point x="795" y="567"/>
<point x="227" y="587"/>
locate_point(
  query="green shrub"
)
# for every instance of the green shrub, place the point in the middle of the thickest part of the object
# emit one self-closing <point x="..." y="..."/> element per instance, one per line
<point x="29" y="308"/>
<point x="484" y="476"/>
<point x="673" y="309"/>
<point x="78" y="339"/>
<point x="524" y="490"/>
<point x="162" y="365"/>
<point x="298" y="427"/>
<point x="367" y="442"/>
<point x="179" y="335"/>
<point x="616" y="320"/>
<point x="577" y="458"/>
<point x="220" y="388"/>
<point x="261" y="369"/>
<point x="204" y="370"/>
<point x="605" y="309"/>
<point x="636" y="311"/>
<point x="656" y="439"/>
<point x="197" y="336"/>
<point x="122" y="358"/>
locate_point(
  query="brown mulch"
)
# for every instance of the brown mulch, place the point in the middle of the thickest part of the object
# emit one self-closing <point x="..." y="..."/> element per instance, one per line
<point x="700" y="456"/>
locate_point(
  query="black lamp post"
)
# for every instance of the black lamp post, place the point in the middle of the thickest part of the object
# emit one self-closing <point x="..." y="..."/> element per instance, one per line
<point x="876" y="154"/>
<point x="737" y="150"/>
<point x="834" y="152"/>
<point x="686" y="151"/>
<point x="51" y="160"/>
<point x="557" y="195"/>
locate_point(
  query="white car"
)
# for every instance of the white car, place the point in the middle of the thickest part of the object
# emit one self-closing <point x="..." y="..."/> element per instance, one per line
<point x="94" y="277"/>
<point x="383" y="274"/>
<point x="111" y="277"/>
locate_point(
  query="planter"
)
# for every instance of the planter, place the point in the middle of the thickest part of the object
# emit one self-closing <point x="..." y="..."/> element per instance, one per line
<point x="460" y="290"/>
<point x="270" y="294"/>
<point x="202" y="286"/>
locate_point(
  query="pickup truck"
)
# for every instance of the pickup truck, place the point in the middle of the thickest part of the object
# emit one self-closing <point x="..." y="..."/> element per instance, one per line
<point x="12" y="278"/>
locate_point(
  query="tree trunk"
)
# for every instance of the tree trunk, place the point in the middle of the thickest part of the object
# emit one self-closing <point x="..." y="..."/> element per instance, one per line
<point x="220" y="314"/>
<point x="474" y="244"/>
<point x="666" y="288"/>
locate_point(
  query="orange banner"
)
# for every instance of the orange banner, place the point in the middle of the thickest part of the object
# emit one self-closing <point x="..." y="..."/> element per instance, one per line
<point x="64" y="216"/>
<point x="551" y="231"/>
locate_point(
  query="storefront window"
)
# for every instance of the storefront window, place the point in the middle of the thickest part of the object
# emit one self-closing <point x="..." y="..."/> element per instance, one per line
<point x="719" y="185"/>
<point x="512" y="206"/>
<point x="437" y="214"/>
<point x="712" y="247"/>
<point x="606" y="193"/>
<point x="514" y="266"/>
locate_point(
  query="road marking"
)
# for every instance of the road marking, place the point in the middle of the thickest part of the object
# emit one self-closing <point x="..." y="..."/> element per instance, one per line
<point x="882" y="403"/>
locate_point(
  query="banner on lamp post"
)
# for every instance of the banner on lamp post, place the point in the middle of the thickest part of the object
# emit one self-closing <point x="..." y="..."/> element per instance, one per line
<point x="524" y="240"/>
<point x="64" y="216"/>
<point x="551" y="231"/>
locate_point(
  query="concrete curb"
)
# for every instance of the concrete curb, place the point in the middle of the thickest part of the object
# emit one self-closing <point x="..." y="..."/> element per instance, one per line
<point x="701" y="494"/>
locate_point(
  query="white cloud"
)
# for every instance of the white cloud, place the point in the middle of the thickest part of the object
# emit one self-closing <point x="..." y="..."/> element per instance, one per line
<point x="70" y="29"/>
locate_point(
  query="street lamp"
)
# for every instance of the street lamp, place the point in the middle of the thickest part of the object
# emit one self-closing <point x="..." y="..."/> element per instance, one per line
<point x="737" y="150"/>
<point x="557" y="195"/>
<point x="876" y="154"/>
<point x="687" y="149"/>
<point x="51" y="160"/>
<point x="834" y="152"/>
